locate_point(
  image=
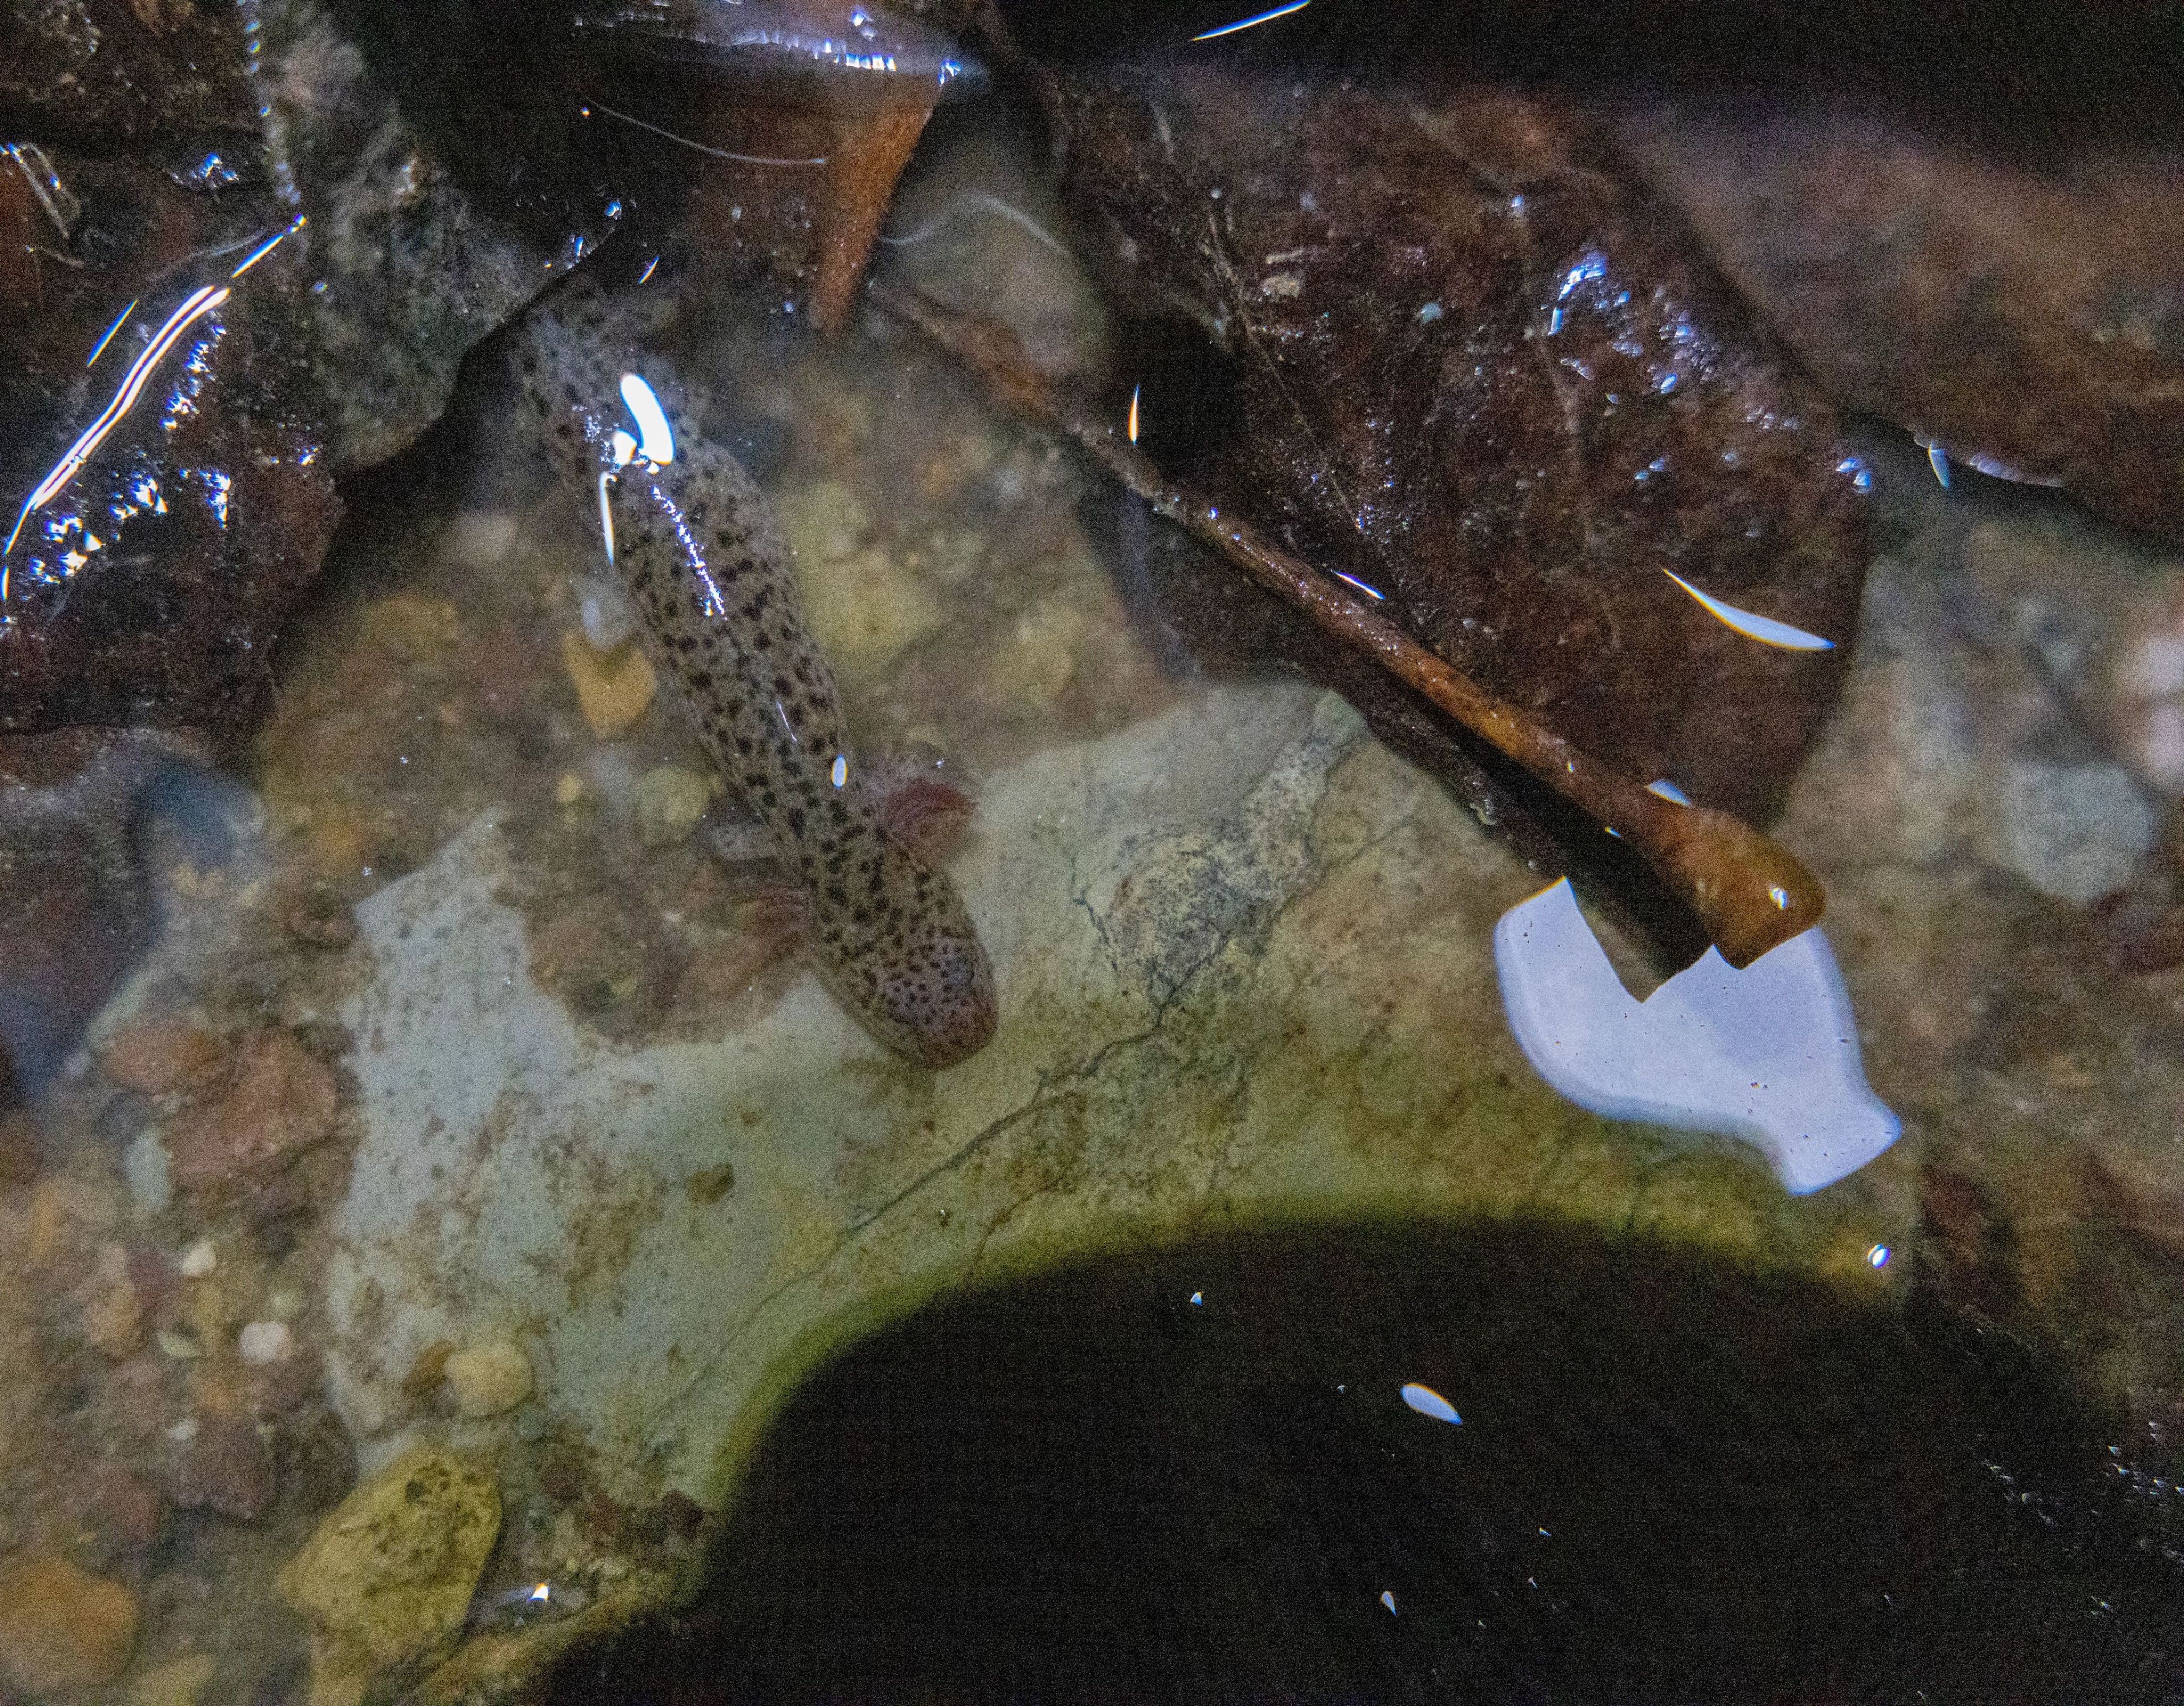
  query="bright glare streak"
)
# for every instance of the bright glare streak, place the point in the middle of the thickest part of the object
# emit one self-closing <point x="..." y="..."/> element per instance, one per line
<point x="1133" y="413"/>
<point x="268" y="247"/>
<point x="98" y="348"/>
<point x="1765" y="629"/>
<point x="1428" y="1403"/>
<point x="841" y="772"/>
<point x="1249" y="22"/>
<point x="1371" y="592"/>
<point x="718" y="154"/>
<point x="607" y="518"/>
<point x="199" y="302"/>
<point x="657" y="444"/>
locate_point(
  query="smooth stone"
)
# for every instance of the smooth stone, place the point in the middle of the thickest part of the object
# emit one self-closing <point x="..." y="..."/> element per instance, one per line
<point x="62" y="1627"/>
<point x="181" y="1681"/>
<point x="144" y="1165"/>
<point x="266" y="1342"/>
<point x="489" y="1378"/>
<point x="671" y="801"/>
<point x="386" y="1580"/>
<point x="2073" y="831"/>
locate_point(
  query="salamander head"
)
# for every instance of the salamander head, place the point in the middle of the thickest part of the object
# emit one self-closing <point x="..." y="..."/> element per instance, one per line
<point x="915" y="974"/>
<point x="934" y="1001"/>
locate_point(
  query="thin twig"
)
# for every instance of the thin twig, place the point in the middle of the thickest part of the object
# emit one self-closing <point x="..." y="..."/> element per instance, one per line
<point x="1749" y="893"/>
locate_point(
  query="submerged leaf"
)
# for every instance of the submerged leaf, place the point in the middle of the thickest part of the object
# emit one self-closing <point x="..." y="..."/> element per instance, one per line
<point x="1496" y="390"/>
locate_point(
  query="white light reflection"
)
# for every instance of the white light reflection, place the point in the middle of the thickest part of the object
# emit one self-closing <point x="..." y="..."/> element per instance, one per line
<point x="1134" y="389"/>
<point x="1372" y="593"/>
<point x="1765" y="629"/>
<point x="718" y="154"/>
<point x="194" y="307"/>
<point x="1387" y="1599"/>
<point x="606" y="516"/>
<point x="268" y="247"/>
<point x="1428" y="1403"/>
<point x="1877" y="1257"/>
<point x="1198" y="1298"/>
<point x="657" y="444"/>
<point x="98" y="348"/>
<point x="198" y="304"/>
<point x="841" y="772"/>
<point x="1267" y="17"/>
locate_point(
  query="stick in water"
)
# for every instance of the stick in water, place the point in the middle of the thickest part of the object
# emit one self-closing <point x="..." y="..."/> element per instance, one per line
<point x="1749" y="893"/>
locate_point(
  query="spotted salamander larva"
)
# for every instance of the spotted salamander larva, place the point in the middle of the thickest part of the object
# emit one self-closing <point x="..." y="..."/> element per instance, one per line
<point x="718" y="608"/>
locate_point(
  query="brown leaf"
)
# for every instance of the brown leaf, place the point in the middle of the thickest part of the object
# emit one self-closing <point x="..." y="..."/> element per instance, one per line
<point x="2032" y="321"/>
<point x="1477" y="374"/>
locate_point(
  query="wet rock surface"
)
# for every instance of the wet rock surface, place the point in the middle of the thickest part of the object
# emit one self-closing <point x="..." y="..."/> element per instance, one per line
<point x="98" y="72"/>
<point x="149" y="565"/>
<point x="386" y="1580"/>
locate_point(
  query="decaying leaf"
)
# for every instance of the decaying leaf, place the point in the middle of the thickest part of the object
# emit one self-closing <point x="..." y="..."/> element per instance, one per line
<point x="1495" y="389"/>
<point x="2031" y="323"/>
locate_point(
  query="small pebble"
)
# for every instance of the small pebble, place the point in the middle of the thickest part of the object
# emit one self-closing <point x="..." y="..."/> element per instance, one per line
<point x="113" y="1320"/>
<point x="184" y="1431"/>
<point x="266" y="1342"/>
<point x="144" y="1165"/>
<point x="487" y="1379"/>
<point x="280" y="1099"/>
<point x="153" y="1056"/>
<point x="198" y="1260"/>
<point x="61" y="1627"/>
<point x="670" y="802"/>
<point x="613" y="687"/>
<point x="568" y="789"/>
<point x="225" y="1468"/>
<point x="181" y="1681"/>
<point x="320" y="917"/>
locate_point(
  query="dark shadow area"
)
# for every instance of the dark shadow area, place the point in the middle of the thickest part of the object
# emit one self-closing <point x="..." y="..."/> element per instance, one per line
<point x="2036" y="79"/>
<point x="1191" y="1475"/>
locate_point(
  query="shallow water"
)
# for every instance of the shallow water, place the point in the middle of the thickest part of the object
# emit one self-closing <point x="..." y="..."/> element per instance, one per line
<point x="1191" y="1474"/>
<point x="433" y="1072"/>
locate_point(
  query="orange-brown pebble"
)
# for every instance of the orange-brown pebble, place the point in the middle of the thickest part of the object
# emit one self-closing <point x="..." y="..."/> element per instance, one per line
<point x="60" y="1626"/>
<point x="155" y="1056"/>
<point x="279" y="1100"/>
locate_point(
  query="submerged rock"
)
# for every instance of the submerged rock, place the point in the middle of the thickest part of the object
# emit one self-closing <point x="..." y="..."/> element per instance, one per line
<point x="226" y="1467"/>
<point x="386" y="1580"/>
<point x="487" y="1379"/>
<point x="278" y="1101"/>
<point x="61" y="1627"/>
<point x="75" y="907"/>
